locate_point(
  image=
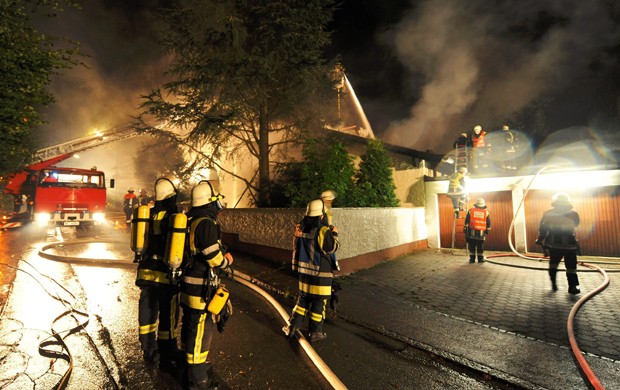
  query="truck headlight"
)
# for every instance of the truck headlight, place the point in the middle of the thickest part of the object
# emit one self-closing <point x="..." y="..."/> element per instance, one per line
<point x="42" y="218"/>
<point x="99" y="217"/>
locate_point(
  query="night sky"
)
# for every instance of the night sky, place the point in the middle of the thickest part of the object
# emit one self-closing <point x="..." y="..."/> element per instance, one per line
<point x="424" y="71"/>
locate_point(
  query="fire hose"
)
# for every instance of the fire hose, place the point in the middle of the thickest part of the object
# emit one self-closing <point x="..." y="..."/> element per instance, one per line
<point x="240" y="277"/>
<point x="577" y="353"/>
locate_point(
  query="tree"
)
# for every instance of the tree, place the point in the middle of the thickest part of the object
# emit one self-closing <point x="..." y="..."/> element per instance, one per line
<point x="246" y="77"/>
<point x="28" y="59"/>
<point x="375" y="181"/>
<point x="325" y="165"/>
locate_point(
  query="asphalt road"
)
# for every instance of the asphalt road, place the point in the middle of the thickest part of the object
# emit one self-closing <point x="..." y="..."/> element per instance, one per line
<point x="251" y="353"/>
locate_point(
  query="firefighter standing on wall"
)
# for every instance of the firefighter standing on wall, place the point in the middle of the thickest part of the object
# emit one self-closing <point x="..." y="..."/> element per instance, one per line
<point x="311" y="258"/>
<point x="199" y="282"/>
<point x="557" y="235"/>
<point x="456" y="190"/>
<point x="158" y="290"/>
<point x="477" y="227"/>
<point x="129" y="203"/>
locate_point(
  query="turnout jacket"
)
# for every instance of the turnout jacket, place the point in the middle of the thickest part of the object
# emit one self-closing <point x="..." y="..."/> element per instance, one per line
<point x="477" y="223"/>
<point x="152" y="270"/>
<point x="557" y="228"/>
<point x="206" y="258"/>
<point x="312" y="256"/>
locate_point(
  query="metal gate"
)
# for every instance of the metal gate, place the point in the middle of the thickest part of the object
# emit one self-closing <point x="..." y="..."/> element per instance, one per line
<point x="599" y="212"/>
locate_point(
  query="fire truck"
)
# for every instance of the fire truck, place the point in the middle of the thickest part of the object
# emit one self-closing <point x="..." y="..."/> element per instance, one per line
<point x="62" y="196"/>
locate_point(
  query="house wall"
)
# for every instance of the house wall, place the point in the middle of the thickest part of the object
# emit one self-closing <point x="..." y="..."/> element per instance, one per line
<point x="595" y="195"/>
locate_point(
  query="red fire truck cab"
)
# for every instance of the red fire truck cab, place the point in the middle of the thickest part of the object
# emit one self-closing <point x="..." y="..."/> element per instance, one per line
<point x="66" y="196"/>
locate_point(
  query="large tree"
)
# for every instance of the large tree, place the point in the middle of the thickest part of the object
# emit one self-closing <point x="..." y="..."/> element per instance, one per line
<point x="375" y="180"/>
<point x="247" y="76"/>
<point x="28" y="59"/>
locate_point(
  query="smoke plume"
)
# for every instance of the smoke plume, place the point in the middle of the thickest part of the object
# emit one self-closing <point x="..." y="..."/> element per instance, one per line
<point x="483" y="61"/>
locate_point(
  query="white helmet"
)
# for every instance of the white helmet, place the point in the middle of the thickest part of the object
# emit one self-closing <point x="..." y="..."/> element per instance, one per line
<point x="314" y="208"/>
<point x="203" y="194"/>
<point x="164" y="189"/>
<point x="561" y="198"/>
<point x="478" y="128"/>
<point x="480" y="202"/>
<point x="328" y="195"/>
<point x="130" y="189"/>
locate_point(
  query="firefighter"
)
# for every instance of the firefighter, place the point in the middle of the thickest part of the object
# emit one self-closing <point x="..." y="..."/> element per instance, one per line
<point x="199" y="282"/>
<point x="158" y="290"/>
<point x="144" y="199"/>
<point x="328" y="197"/>
<point x="129" y="203"/>
<point x="477" y="227"/>
<point x="312" y="260"/>
<point x="479" y="146"/>
<point x="456" y="190"/>
<point x="557" y="235"/>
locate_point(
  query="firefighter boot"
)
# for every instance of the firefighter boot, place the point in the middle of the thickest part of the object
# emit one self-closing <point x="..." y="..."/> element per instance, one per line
<point x="472" y="258"/>
<point x="552" y="276"/>
<point x="317" y="336"/>
<point x="573" y="282"/>
<point x="481" y="259"/>
<point x="170" y="358"/>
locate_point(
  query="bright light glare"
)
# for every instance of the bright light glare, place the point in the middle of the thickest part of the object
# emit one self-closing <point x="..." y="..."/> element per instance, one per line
<point x="42" y="218"/>
<point x="99" y="217"/>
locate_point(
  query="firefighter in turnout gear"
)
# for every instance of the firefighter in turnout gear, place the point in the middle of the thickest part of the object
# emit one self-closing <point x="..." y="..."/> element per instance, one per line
<point x="313" y="261"/>
<point x="556" y="235"/>
<point x="130" y="201"/>
<point x="477" y="227"/>
<point x="199" y="283"/>
<point x="456" y="190"/>
<point x="158" y="291"/>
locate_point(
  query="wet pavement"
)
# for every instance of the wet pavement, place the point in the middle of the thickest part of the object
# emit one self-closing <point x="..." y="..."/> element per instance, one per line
<point x="500" y="317"/>
<point x="477" y="322"/>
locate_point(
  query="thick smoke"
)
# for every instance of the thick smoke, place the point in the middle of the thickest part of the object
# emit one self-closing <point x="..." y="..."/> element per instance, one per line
<point x="122" y="62"/>
<point x="483" y="61"/>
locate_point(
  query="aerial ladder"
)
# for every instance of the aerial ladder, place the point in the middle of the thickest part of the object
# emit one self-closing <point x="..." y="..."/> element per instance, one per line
<point x="24" y="183"/>
<point x="52" y="155"/>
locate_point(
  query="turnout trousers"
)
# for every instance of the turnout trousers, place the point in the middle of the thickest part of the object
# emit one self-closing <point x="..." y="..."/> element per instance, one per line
<point x="158" y="313"/>
<point x="570" y="261"/>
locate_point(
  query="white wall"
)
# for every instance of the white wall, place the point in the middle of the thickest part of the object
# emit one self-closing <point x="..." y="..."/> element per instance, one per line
<point x="360" y="230"/>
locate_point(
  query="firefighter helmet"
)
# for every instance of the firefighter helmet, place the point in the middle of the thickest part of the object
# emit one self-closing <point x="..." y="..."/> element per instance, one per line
<point x="328" y="195"/>
<point x="463" y="170"/>
<point x="130" y="189"/>
<point x="480" y="202"/>
<point x="203" y="194"/>
<point x="477" y="128"/>
<point x="505" y="127"/>
<point x="315" y="208"/>
<point x="560" y="199"/>
<point x="164" y="189"/>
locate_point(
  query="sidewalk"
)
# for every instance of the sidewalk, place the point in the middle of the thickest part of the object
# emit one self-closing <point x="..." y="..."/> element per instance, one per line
<point x="498" y="319"/>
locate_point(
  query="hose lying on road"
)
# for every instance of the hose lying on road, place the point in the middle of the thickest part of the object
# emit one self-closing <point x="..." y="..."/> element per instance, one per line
<point x="250" y="282"/>
<point x="240" y="277"/>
